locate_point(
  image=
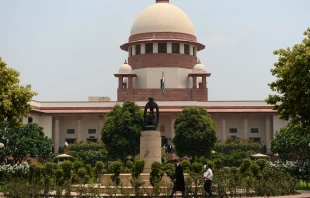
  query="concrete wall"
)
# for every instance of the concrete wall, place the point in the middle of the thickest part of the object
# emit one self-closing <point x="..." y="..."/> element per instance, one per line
<point x="235" y="120"/>
<point x="278" y="123"/>
<point x="44" y="121"/>
<point x="70" y="122"/>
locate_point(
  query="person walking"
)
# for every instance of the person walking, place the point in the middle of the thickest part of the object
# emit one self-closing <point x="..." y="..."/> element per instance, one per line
<point x="208" y="175"/>
<point x="179" y="184"/>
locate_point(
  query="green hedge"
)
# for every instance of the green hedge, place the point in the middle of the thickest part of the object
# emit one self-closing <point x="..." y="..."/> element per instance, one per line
<point x="86" y="146"/>
<point x="228" y="148"/>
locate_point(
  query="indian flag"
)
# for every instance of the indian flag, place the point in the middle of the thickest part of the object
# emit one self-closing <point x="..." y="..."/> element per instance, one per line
<point x="163" y="84"/>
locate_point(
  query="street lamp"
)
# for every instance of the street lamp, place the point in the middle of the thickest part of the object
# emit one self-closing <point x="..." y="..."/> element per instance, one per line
<point x="213" y="152"/>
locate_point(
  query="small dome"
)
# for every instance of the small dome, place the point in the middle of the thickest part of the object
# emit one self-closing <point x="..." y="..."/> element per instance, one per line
<point x="125" y="68"/>
<point x="162" y="17"/>
<point x="199" y="67"/>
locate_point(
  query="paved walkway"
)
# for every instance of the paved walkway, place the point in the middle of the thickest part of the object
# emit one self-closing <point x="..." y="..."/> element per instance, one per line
<point x="303" y="194"/>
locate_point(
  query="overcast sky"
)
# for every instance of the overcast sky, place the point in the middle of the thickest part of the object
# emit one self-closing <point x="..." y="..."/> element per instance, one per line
<point x="69" y="49"/>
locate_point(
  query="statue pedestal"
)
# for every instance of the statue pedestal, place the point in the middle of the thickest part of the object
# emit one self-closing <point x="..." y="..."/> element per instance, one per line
<point x="150" y="148"/>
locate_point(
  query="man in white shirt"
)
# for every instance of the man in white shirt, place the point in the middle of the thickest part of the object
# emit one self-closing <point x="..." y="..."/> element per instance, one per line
<point x="208" y="175"/>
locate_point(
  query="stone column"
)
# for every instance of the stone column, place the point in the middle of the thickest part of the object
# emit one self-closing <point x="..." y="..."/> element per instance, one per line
<point x="101" y="120"/>
<point x="172" y="128"/>
<point x="246" y="134"/>
<point x="56" y="135"/>
<point x="130" y="82"/>
<point x="194" y="82"/>
<point x="78" y="129"/>
<point x="204" y="81"/>
<point x="120" y="82"/>
<point x="224" y="129"/>
<point x="150" y="148"/>
<point x="268" y="134"/>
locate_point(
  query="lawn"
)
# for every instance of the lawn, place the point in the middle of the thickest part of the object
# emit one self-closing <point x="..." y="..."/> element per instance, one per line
<point x="303" y="186"/>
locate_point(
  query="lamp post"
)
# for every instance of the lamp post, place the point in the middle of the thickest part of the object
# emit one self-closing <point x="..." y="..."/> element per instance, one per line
<point x="212" y="152"/>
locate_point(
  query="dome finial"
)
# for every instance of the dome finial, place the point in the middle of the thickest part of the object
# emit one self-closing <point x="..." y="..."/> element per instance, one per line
<point x="162" y="1"/>
<point x="125" y="61"/>
<point x="198" y="61"/>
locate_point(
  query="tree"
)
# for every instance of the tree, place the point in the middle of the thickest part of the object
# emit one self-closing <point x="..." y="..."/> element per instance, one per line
<point x="14" y="98"/>
<point x="22" y="141"/>
<point x="194" y="133"/>
<point x="292" y="143"/>
<point x="292" y="86"/>
<point x="122" y="130"/>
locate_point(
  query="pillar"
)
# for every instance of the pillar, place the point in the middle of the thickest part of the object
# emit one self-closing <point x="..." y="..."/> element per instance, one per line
<point x="101" y="120"/>
<point x="268" y="134"/>
<point x="204" y="81"/>
<point x="155" y="48"/>
<point x="56" y="135"/>
<point x="130" y="82"/>
<point x="120" y="82"/>
<point x="78" y="130"/>
<point x="194" y="82"/>
<point x="224" y="129"/>
<point x="246" y="134"/>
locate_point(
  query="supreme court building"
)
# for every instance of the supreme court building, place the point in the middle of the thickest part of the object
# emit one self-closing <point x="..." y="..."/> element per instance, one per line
<point x="159" y="44"/>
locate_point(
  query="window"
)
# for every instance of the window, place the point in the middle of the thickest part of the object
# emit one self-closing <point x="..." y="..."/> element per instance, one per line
<point x="149" y="48"/>
<point x="138" y="49"/>
<point x="30" y="119"/>
<point x="162" y="47"/>
<point x="194" y="51"/>
<point x="233" y="130"/>
<point x="130" y="51"/>
<point x="176" y="48"/>
<point x="91" y="131"/>
<point x="70" y="131"/>
<point x="186" y="49"/>
<point x="254" y="130"/>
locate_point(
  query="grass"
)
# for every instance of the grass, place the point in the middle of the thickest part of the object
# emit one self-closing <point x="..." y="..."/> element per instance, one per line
<point x="303" y="186"/>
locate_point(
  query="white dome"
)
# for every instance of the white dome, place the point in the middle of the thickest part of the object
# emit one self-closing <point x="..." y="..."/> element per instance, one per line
<point x="125" y="68"/>
<point x="199" y="68"/>
<point x="162" y="17"/>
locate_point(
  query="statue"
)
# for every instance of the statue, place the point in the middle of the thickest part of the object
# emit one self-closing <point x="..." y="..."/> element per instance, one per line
<point x="150" y="121"/>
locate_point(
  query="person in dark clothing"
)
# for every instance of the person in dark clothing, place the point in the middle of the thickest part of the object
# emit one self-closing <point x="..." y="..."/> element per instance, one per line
<point x="179" y="184"/>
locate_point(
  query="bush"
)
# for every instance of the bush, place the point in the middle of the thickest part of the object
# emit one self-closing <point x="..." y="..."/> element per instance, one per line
<point x="138" y="166"/>
<point x="186" y="166"/>
<point x="66" y="167"/>
<point x="9" y="172"/>
<point x="156" y="173"/>
<point x="116" y="168"/>
<point x="240" y="145"/>
<point x="21" y="188"/>
<point x="86" y="146"/>
<point x="129" y="164"/>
